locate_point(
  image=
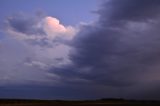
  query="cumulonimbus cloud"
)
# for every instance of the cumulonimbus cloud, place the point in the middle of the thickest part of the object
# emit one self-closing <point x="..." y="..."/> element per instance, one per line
<point x="41" y="31"/>
<point x="54" y="28"/>
<point x="120" y="50"/>
<point x="44" y="41"/>
<point x="117" y="56"/>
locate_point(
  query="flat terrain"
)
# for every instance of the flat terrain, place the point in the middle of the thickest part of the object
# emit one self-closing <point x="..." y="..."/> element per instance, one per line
<point x="78" y="103"/>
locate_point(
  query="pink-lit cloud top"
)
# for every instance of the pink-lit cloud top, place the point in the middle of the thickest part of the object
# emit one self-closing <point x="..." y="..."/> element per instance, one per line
<point x="53" y="27"/>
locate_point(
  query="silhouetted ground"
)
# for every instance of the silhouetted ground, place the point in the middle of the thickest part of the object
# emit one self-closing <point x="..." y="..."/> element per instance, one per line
<point x="102" y="102"/>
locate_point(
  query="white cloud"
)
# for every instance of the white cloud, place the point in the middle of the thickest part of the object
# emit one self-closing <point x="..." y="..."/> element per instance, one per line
<point x="45" y="46"/>
<point x="51" y="26"/>
<point x="34" y="53"/>
<point x="54" y="28"/>
<point x="54" y="25"/>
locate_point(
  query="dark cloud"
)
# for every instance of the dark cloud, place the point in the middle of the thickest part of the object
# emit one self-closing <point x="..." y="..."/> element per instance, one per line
<point x="115" y="11"/>
<point x="122" y="55"/>
<point x="25" y="24"/>
<point x="117" y="56"/>
<point x="29" y="28"/>
<point x="47" y="92"/>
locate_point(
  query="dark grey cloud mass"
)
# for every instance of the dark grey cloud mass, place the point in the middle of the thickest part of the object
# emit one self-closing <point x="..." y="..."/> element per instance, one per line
<point x="120" y="51"/>
<point x="38" y="29"/>
<point x="119" y="11"/>
<point x="25" y="24"/>
<point x="117" y="56"/>
<point x="29" y="26"/>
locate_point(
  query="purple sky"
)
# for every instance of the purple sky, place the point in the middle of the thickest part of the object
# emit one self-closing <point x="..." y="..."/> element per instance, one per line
<point x="80" y="49"/>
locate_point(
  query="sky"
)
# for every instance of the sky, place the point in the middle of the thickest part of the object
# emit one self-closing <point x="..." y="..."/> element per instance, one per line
<point x="80" y="49"/>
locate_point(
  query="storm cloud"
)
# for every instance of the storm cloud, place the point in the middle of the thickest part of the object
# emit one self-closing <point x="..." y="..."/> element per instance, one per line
<point x="25" y="24"/>
<point x="119" y="11"/>
<point x="118" y="55"/>
<point x="120" y="50"/>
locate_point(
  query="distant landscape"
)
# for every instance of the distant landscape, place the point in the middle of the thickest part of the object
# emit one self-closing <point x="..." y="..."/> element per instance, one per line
<point x="98" y="102"/>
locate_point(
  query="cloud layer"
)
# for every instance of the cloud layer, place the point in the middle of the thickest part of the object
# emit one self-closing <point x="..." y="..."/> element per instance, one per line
<point x="116" y="56"/>
<point x="120" y="51"/>
<point x="33" y="44"/>
<point x="42" y="31"/>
